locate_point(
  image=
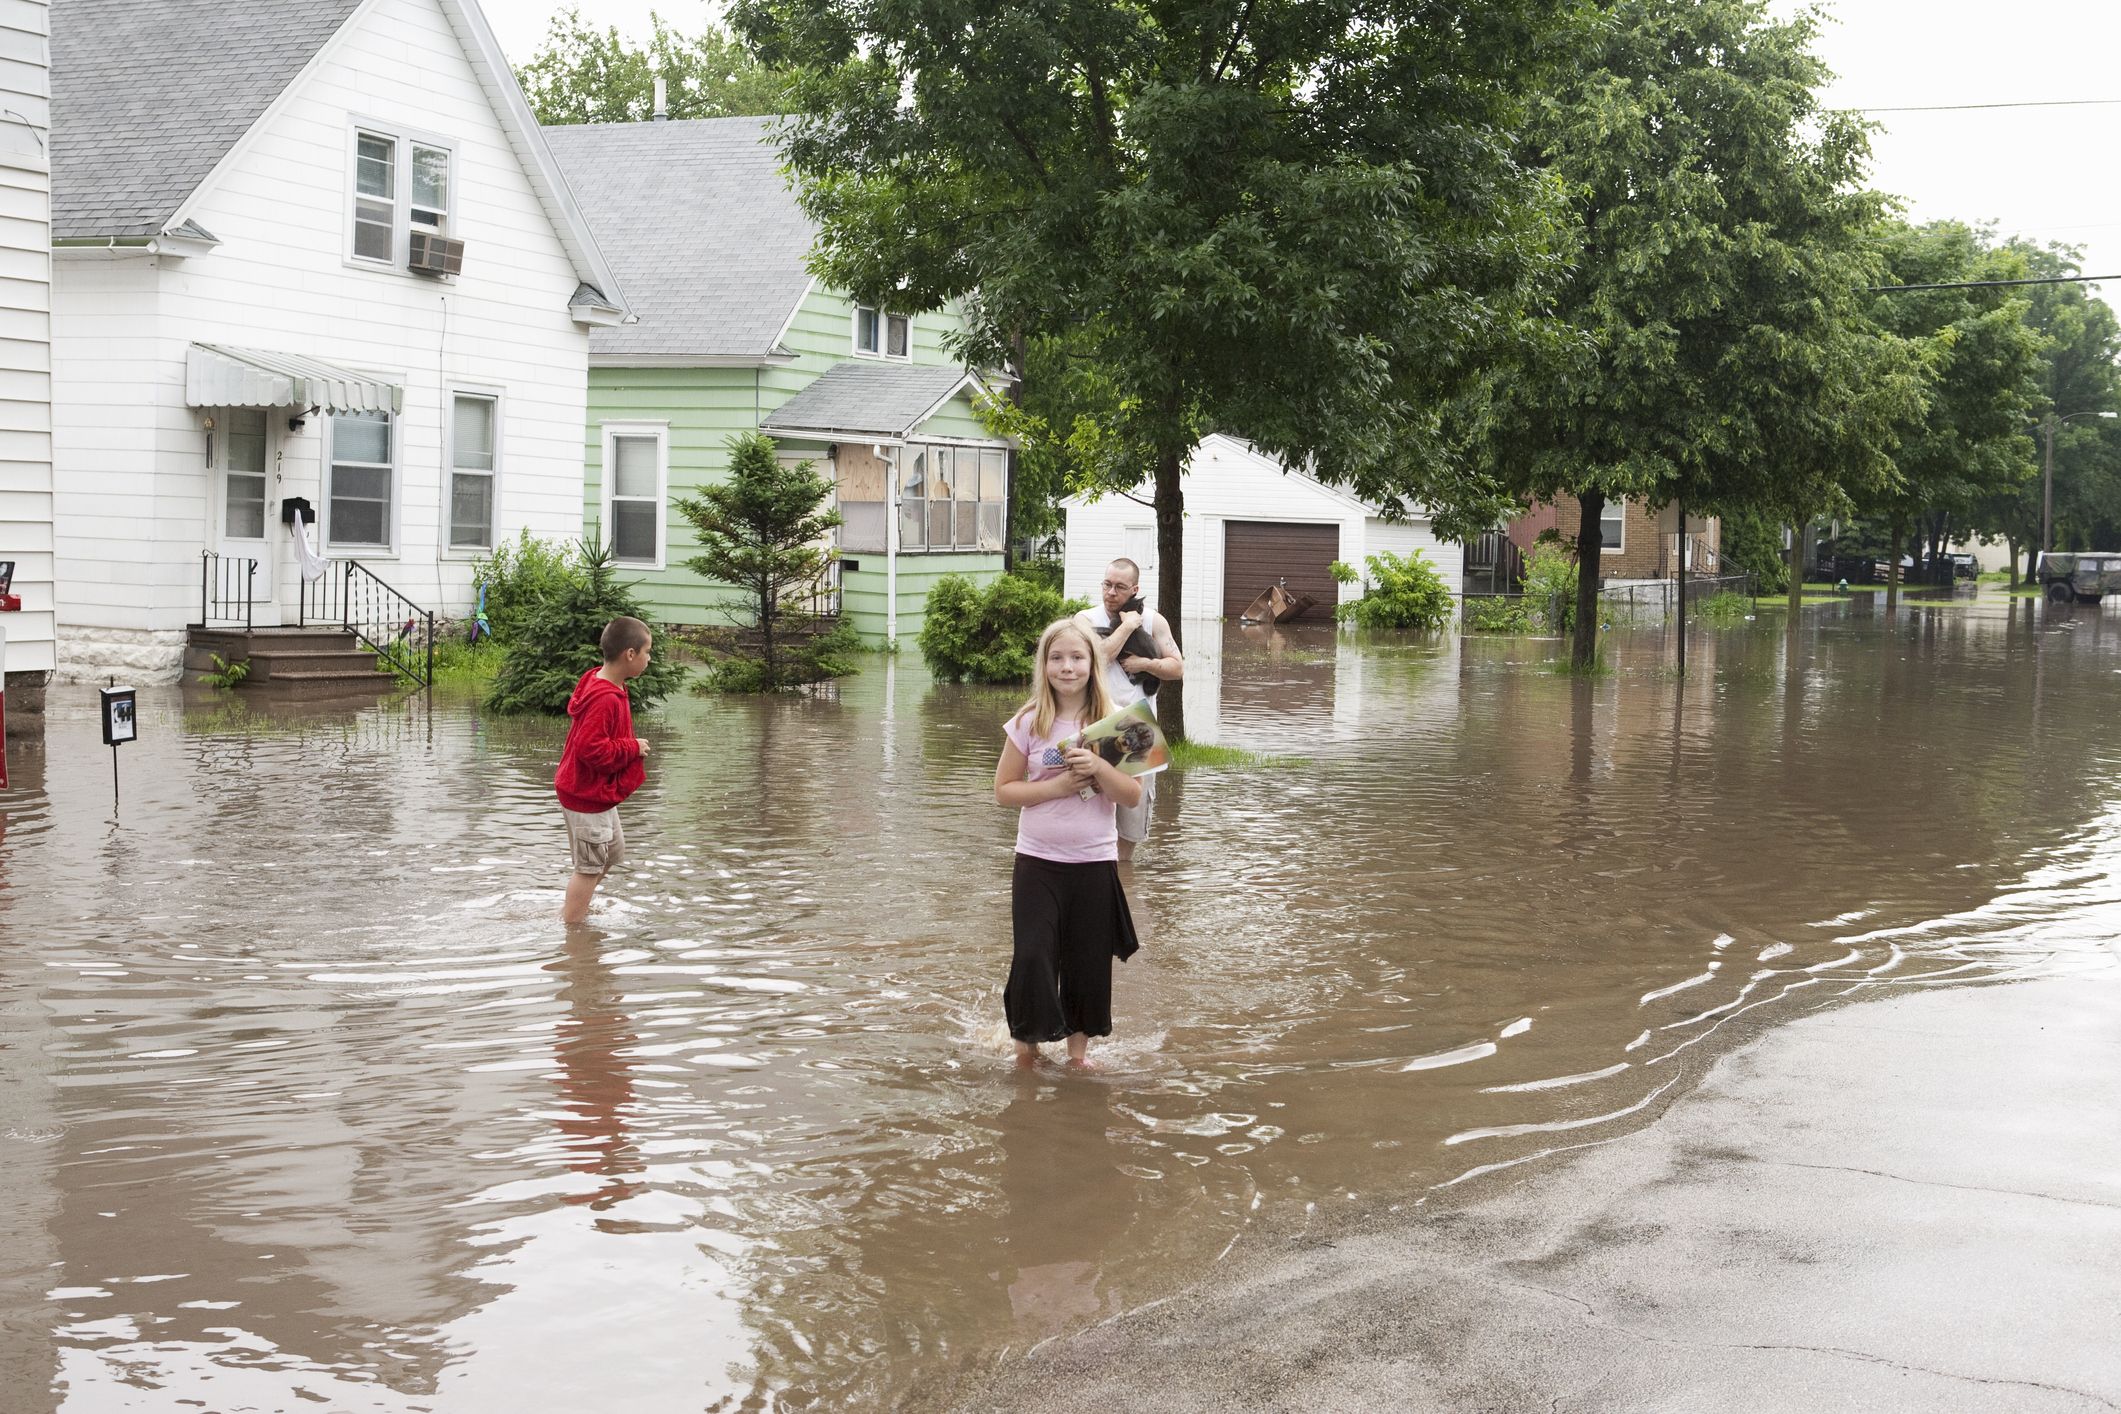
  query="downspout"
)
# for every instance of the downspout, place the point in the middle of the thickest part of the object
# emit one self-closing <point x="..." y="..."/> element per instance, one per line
<point x="890" y="543"/>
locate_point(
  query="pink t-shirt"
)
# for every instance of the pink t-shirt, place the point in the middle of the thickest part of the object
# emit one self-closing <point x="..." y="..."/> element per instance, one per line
<point x="1069" y="830"/>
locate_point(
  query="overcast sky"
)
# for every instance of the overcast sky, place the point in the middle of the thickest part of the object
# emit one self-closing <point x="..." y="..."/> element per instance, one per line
<point x="2046" y="173"/>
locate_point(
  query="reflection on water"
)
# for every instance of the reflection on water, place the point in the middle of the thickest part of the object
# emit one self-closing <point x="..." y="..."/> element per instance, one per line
<point x="309" y="1100"/>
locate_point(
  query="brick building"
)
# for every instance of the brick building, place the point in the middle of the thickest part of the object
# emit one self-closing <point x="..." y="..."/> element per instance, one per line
<point x="1639" y="543"/>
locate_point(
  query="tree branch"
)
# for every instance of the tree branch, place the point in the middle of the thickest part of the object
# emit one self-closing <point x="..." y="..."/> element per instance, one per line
<point x="1237" y="37"/>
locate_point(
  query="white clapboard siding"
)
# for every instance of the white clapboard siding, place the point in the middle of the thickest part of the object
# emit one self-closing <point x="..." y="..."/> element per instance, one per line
<point x="25" y="331"/>
<point x="279" y="279"/>
<point x="1227" y="480"/>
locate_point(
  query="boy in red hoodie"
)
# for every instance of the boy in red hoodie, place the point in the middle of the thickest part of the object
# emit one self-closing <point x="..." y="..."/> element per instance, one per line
<point x="602" y="762"/>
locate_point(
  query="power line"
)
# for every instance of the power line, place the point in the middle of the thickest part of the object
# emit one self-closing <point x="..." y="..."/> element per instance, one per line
<point x="1990" y="284"/>
<point x="1975" y="107"/>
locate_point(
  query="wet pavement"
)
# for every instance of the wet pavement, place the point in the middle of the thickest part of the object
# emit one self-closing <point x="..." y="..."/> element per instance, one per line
<point x="307" y="1100"/>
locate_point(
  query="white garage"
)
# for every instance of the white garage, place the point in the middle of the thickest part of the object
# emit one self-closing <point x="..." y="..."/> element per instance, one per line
<point x="1250" y="521"/>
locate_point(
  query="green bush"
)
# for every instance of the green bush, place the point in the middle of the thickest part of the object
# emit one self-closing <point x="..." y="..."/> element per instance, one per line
<point x="1402" y="591"/>
<point x="1550" y="586"/>
<point x="972" y="634"/>
<point x="557" y="642"/>
<point x="827" y="656"/>
<point x="1725" y="608"/>
<point x="1498" y="616"/>
<point x="517" y="575"/>
<point x="1044" y="573"/>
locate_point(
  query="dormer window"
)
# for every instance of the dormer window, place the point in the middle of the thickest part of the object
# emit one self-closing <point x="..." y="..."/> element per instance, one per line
<point x="401" y="184"/>
<point x="881" y="334"/>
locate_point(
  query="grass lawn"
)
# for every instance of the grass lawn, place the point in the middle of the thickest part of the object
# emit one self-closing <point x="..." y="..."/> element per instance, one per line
<point x="1190" y="755"/>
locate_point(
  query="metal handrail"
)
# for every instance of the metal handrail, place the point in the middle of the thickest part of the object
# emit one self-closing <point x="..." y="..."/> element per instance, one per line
<point x="216" y="592"/>
<point x="350" y="595"/>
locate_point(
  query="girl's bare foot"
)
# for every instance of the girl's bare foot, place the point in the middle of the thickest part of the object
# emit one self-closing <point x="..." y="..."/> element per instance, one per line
<point x="1079" y="1052"/>
<point x="1026" y="1055"/>
<point x="1080" y="1063"/>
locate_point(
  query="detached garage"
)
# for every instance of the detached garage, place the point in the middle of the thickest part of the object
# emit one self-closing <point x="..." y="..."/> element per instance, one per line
<point x="1250" y="523"/>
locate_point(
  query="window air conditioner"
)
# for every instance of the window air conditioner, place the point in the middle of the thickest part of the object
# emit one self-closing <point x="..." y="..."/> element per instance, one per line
<point x="435" y="255"/>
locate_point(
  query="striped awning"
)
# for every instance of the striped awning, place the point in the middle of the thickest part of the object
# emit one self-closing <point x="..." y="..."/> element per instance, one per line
<point x="223" y="376"/>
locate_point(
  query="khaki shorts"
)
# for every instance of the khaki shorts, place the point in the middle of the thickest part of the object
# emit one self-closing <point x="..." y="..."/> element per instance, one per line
<point x="1133" y="820"/>
<point x="596" y="840"/>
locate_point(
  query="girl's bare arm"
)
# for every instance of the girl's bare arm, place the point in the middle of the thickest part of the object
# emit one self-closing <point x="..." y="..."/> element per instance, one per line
<point x="1117" y="786"/>
<point x="1013" y="791"/>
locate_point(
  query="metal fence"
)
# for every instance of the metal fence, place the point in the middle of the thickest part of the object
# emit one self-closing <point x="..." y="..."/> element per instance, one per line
<point x="1657" y="600"/>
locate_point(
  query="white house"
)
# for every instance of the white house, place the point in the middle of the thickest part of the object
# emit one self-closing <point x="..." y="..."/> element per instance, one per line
<point x="25" y="340"/>
<point x="314" y="254"/>
<point x="1250" y="523"/>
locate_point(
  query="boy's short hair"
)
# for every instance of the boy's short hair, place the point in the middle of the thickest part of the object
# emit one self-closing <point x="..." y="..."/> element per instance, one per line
<point x="622" y="635"/>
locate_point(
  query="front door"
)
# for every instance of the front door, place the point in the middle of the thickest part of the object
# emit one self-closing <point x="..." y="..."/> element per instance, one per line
<point x="243" y="458"/>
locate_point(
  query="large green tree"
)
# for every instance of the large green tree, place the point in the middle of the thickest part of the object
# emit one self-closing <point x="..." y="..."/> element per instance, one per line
<point x="2078" y="379"/>
<point x="584" y="74"/>
<point x="1979" y="361"/>
<point x="1300" y="221"/>
<point x="1717" y="351"/>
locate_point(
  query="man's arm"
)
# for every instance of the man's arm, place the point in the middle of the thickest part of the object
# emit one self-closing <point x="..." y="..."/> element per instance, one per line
<point x="1108" y="644"/>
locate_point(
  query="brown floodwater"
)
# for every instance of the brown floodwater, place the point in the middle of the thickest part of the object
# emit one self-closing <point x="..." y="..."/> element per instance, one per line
<point x="309" y="1101"/>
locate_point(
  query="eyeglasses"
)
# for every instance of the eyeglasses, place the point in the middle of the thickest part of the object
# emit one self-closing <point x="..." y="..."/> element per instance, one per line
<point x="1115" y="584"/>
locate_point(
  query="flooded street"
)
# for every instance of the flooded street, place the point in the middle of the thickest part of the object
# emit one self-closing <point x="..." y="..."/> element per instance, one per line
<point x="308" y="1101"/>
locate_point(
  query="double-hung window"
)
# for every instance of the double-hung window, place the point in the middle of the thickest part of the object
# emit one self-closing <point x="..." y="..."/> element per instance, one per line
<point x="362" y="486"/>
<point x="881" y="334"/>
<point x="637" y="468"/>
<point x="474" y="442"/>
<point x="1612" y="527"/>
<point x="401" y="184"/>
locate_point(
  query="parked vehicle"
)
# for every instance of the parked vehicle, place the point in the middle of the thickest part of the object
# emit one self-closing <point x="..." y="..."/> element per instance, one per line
<point x="2083" y="578"/>
<point x="1965" y="567"/>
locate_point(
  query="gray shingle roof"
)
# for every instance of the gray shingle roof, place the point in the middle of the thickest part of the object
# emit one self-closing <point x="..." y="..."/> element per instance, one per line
<point x="700" y="228"/>
<point x="866" y="396"/>
<point x="147" y="95"/>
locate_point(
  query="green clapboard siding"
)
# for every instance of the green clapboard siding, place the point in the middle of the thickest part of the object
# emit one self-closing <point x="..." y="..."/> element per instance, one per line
<point x="705" y="407"/>
<point x="863" y="599"/>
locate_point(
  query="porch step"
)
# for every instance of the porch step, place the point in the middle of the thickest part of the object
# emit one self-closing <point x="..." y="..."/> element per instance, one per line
<point x="275" y="664"/>
<point x="350" y="688"/>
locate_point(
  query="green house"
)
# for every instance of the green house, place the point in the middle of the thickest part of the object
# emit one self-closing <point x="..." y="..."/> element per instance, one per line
<point x="733" y="335"/>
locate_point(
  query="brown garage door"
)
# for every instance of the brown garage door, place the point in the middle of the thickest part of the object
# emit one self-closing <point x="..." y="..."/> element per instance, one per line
<point x="1259" y="553"/>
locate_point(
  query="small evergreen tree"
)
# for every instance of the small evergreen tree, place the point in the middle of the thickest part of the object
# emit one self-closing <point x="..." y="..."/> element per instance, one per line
<point x="761" y="531"/>
<point x="557" y="642"/>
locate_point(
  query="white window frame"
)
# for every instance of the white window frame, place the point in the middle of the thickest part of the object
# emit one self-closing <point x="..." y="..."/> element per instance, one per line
<point x="405" y="139"/>
<point x="608" y="477"/>
<point x="451" y="392"/>
<point x="926" y="445"/>
<point x="391" y="518"/>
<point x="1619" y="545"/>
<point x="883" y="334"/>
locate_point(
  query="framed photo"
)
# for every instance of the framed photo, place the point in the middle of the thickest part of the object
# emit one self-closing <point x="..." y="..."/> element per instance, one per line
<point x="120" y="720"/>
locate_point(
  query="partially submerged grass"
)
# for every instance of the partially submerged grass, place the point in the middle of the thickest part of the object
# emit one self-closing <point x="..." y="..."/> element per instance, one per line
<point x="1191" y="755"/>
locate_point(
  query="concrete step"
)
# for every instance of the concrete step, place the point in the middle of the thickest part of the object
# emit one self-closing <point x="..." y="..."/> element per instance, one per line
<point x="267" y="666"/>
<point x="235" y="645"/>
<point x="308" y="686"/>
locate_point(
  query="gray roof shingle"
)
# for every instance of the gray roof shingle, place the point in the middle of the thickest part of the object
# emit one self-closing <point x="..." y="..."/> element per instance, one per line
<point x="148" y="95"/>
<point x="868" y="397"/>
<point x="700" y="227"/>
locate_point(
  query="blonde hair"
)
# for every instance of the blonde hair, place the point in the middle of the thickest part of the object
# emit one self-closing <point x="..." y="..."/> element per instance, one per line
<point x="1044" y="707"/>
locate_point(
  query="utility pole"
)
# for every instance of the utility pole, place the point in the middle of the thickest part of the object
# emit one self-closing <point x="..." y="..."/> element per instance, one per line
<point x="2047" y="483"/>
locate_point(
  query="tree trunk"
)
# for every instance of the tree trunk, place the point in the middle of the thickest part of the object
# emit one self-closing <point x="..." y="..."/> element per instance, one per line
<point x="766" y="607"/>
<point x="1170" y="577"/>
<point x="1583" y="649"/>
<point x="1679" y="504"/>
<point x="1892" y="567"/>
<point x="2011" y="543"/>
<point x="1016" y="399"/>
<point x="1797" y="534"/>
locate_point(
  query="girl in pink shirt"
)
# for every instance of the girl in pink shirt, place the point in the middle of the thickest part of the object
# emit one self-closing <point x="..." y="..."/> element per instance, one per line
<point x="1069" y="912"/>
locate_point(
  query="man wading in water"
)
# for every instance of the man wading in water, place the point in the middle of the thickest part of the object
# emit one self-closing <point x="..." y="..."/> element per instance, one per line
<point x="1136" y="648"/>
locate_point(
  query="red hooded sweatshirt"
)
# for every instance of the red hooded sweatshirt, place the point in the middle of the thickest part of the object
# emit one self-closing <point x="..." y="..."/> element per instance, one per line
<point x="601" y="763"/>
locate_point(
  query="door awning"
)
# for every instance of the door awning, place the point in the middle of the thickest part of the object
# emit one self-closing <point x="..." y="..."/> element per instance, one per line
<point x="223" y="376"/>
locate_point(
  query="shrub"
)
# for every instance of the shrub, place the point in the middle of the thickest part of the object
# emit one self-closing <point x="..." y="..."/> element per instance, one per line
<point x="830" y="655"/>
<point x="517" y="575"/>
<point x="972" y="634"/>
<point x="1498" y="616"/>
<point x="1402" y="591"/>
<point x="1550" y="586"/>
<point x="557" y="643"/>
<point x="1044" y="573"/>
<point x="1725" y="608"/>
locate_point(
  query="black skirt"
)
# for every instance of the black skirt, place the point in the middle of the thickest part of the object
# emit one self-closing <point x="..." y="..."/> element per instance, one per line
<point x="1071" y="921"/>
